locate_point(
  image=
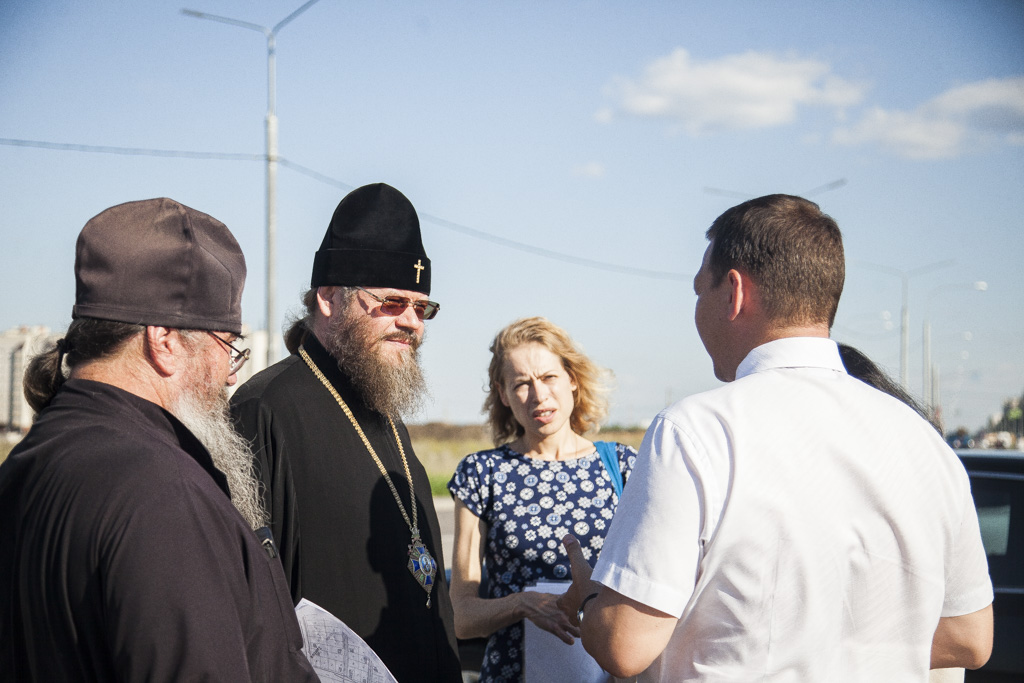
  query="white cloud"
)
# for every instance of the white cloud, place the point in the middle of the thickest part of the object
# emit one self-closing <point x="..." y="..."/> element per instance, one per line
<point x="907" y="134"/>
<point x="743" y="91"/>
<point x="993" y="104"/>
<point x="590" y="170"/>
<point x="965" y="117"/>
<point x="757" y="90"/>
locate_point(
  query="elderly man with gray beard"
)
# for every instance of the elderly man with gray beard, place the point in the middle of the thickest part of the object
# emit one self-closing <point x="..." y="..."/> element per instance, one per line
<point x="349" y="503"/>
<point x="121" y="554"/>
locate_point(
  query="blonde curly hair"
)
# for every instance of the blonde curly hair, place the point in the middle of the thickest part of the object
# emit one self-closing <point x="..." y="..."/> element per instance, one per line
<point x="590" y="403"/>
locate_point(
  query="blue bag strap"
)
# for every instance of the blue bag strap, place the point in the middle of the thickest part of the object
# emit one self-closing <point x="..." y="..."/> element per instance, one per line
<point x="610" y="458"/>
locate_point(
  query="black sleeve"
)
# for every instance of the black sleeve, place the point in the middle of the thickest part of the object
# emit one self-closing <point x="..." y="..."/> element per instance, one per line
<point x="255" y="421"/>
<point x="180" y="565"/>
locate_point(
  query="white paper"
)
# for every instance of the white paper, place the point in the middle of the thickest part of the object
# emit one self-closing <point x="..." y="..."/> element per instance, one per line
<point x="548" y="659"/>
<point x="337" y="654"/>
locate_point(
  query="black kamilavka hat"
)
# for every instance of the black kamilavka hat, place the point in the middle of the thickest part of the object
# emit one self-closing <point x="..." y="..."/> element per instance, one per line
<point x="373" y="241"/>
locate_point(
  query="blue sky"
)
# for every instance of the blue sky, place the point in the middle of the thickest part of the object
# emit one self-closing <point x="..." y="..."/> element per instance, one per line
<point x="607" y="131"/>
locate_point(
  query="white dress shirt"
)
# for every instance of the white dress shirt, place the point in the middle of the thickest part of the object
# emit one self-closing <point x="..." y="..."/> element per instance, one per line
<point x="802" y="525"/>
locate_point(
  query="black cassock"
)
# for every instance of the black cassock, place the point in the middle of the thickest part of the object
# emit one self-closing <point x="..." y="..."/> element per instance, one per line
<point x="340" y="534"/>
<point x="122" y="558"/>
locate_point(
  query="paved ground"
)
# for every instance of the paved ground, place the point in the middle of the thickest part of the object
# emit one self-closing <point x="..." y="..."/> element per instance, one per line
<point x="445" y="507"/>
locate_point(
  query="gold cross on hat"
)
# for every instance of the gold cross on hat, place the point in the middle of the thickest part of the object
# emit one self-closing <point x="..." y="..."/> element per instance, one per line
<point x="419" y="269"/>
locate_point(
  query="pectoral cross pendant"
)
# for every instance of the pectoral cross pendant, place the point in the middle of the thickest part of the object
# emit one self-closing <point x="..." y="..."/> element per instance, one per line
<point x="421" y="565"/>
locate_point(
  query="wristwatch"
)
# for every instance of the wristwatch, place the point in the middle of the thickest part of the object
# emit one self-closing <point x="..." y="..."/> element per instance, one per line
<point x="579" y="612"/>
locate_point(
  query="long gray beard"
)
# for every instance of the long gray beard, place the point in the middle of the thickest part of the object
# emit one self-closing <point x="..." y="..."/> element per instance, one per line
<point x="208" y="419"/>
<point x="395" y="391"/>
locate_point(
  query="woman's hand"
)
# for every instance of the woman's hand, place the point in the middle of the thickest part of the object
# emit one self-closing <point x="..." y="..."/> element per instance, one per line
<point x="542" y="609"/>
<point x="480" y="617"/>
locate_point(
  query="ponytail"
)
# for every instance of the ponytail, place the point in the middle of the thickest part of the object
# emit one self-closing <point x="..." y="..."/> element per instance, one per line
<point x="44" y="376"/>
<point x="295" y="335"/>
<point x="87" y="339"/>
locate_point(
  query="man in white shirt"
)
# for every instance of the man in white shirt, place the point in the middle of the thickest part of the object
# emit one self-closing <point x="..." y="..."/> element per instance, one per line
<point x="794" y="524"/>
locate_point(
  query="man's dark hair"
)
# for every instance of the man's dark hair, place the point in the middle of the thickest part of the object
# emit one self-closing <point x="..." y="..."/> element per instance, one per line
<point x="302" y="324"/>
<point x="792" y="250"/>
<point x="86" y="339"/>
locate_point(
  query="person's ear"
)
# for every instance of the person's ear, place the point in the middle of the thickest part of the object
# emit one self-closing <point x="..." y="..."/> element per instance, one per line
<point x="739" y="292"/>
<point x="325" y="300"/>
<point x="164" y="350"/>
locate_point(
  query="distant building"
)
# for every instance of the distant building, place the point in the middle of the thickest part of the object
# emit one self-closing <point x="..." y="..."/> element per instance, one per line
<point x="18" y="345"/>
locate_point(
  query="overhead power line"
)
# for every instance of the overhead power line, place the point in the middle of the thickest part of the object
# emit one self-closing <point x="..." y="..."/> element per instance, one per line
<point x="327" y="180"/>
<point x="131" y="151"/>
<point x="503" y="241"/>
<point x="315" y="175"/>
<point x="557" y="255"/>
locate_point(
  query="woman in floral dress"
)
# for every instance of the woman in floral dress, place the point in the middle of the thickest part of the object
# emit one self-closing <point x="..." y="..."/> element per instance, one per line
<point x="514" y="503"/>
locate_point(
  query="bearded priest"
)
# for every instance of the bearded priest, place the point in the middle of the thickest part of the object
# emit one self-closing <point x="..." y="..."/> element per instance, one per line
<point x="349" y="502"/>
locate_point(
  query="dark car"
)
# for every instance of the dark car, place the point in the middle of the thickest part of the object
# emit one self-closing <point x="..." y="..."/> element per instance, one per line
<point x="997" y="483"/>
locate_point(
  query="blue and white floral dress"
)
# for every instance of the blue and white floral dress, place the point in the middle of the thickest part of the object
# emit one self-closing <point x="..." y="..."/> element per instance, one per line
<point x="528" y="505"/>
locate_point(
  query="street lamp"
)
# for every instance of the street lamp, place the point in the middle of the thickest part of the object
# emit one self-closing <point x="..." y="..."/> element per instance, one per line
<point x="929" y="380"/>
<point x="273" y="343"/>
<point x="905" y="276"/>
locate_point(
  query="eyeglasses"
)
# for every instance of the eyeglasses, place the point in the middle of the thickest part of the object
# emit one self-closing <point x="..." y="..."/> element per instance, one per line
<point x="238" y="358"/>
<point x="396" y="305"/>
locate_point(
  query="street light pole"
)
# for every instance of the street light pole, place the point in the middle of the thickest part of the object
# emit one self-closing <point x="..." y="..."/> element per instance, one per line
<point x="929" y="384"/>
<point x="273" y="342"/>
<point x="905" y="276"/>
<point x="926" y="365"/>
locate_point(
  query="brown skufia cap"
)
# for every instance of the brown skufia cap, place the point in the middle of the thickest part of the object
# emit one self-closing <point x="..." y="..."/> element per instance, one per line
<point x="373" y="241"/>
<point x="158" y="262"/>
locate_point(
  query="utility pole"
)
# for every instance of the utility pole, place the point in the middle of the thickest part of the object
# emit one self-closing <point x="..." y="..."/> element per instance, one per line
<point x="273" y="340"/>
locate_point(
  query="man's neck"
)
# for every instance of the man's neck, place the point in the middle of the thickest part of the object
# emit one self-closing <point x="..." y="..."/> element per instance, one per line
<point x="787" y="331"/>
<point x="321" y="329"/>
<point x="119" y="373"/>
<point x="773" y="332"/>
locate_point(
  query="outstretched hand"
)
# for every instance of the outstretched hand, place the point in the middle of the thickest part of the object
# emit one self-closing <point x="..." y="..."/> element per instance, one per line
<point x="582" y="586"/>
<point x="544" y="611"/>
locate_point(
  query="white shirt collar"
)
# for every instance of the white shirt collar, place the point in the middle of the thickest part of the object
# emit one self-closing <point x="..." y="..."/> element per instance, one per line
<point x="792" y="352"/>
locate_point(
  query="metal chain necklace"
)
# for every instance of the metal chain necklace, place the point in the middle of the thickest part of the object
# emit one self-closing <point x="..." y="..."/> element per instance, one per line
<point x="421" y="564"/>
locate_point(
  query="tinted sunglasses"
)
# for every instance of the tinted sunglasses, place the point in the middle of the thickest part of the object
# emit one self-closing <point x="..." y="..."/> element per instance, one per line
<point x="396" y="305"/>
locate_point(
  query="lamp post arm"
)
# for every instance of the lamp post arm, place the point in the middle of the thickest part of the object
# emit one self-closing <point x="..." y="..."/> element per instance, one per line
<point x="834" y="185"/>
<point x="931" y="266"/>
<point x="286" y="20"/>
<point x="227" y="20"/>
<point x="977" y="285"/>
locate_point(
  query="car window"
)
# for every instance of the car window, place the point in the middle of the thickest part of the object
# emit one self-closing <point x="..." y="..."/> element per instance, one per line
<point x="994" y="518"/>
<point x="1000" y="504"/>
